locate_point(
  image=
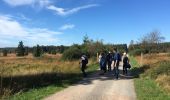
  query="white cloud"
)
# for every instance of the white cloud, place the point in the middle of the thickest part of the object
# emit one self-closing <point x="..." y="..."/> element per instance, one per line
<point x="67" y="26"/>
<point x="40" y="3"/>
<point x="11" y="27"/>
<point x="48" y="4"/>
<point x="12" y="31"/>
<point x="64" y="12"/>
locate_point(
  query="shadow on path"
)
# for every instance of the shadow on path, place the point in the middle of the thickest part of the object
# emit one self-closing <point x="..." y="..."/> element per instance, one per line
<point x="27" y="82"/>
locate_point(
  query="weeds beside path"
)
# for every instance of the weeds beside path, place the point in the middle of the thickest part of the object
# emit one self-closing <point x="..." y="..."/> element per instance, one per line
<point x="145" y="84"/>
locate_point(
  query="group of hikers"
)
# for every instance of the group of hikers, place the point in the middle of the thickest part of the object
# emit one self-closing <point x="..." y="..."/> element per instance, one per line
<point x="108" y="62"/>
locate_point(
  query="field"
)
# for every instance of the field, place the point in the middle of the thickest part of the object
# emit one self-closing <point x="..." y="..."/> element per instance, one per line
<point x="152" y="76"/>
<point x="31" y="77"/>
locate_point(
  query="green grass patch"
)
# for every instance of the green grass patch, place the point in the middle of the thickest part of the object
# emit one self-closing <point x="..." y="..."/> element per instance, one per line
<point x="92" y="68"/>
<point x="36" y="94"/>
<point x="147" y="89"/>
<point x="145" y="84"/>
<point x="134" y="62"/>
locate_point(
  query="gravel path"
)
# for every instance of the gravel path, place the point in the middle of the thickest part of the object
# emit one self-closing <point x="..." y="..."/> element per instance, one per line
<point x="97" y="87"/>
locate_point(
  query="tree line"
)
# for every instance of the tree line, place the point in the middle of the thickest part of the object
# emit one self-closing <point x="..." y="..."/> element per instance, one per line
<point x="149" y="43"/>
<point x="37" y="50"/>
<point x="88" y="47"/>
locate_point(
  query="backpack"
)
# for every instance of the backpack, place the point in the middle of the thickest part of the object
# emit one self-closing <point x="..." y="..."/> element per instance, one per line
<point x="86" y="60"/>
<point x="125" y="59"/>
<point x="103" y="62"/>
<point x="119" y="57"/>
<point x="128" y="66"/>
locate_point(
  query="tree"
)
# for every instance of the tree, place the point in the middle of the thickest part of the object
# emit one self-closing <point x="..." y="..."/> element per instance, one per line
<point x="20" y="49"/>
<point x="5" y="52"/>
<point x="86" y="40"/>
<point x="155" y="37"/>
<point x="150" y="41"/>
<point x="131" y="45"/>
<point x="37" y="52"/>
<point x="61" y="49"/>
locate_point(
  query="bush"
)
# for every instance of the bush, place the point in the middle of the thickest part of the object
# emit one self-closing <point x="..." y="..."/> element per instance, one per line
<point x="163" y="68"/>
<point x="72" y="53"/>
<point x="136" y="52"/>
<point x="154" y="51"/>
<point x="37" y="51"/>
<point x="53" y="52"/>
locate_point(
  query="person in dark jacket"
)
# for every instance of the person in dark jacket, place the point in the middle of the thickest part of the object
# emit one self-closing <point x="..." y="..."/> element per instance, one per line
<point x="109" y="60"/>
<point x="125" y="63"/>
<point x="83" y="63"/>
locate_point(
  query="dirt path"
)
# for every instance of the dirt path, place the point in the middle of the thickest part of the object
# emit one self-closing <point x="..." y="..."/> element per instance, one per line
<point x="97" y="87"/>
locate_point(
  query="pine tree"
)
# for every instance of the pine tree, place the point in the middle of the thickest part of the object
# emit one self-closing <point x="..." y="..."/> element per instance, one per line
<point x="37" y="51"/>
<point x="20" y="49"/>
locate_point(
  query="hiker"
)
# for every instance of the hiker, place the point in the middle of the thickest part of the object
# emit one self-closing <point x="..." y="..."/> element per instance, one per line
<point x="100" y="56"/>
<point x="125" y="63"/>
<point x="102" y="62"/>
<point x="109" y="60"/>
<point x="117" y="59"/>
<point x="83" y="64"/>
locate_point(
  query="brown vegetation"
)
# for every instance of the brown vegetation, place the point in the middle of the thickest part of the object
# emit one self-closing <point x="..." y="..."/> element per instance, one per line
<point x="158" y="68"/>
<point x="23" y="73"/>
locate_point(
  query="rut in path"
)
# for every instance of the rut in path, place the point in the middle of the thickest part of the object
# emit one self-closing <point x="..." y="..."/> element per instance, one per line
<point x="97" y="87"/>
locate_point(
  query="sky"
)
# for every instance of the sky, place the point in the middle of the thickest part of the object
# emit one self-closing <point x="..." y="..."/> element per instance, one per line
<point x="66" y="22"/>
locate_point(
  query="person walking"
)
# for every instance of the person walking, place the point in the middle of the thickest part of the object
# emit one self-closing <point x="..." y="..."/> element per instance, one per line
<point x="100" y="56"/>
<point x="102" y="63"/>
<point x="117" y="59"/>
<point x="83" y="64"/>
<point x="125" y="63"/>
<point x="109" y="61"/>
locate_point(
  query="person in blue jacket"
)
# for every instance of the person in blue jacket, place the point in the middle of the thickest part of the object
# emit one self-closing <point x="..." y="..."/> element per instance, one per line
<point x="117" y="59"/>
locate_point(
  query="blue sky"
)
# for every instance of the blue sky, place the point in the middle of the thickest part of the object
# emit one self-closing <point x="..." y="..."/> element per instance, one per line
<point x="64" y="22"/>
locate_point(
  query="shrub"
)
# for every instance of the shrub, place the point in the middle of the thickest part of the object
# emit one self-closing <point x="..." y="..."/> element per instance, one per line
<point x="53" y="52"/>
<point x="72" y="53"/>
<point x="163" y="68"/>
<point x="136" y="52"/>
<point x="37" y="51"/>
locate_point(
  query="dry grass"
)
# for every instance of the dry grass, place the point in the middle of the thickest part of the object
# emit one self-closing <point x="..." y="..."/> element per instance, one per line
<point x="157" y="64"/>
<point x="164" y="80"/>
<point x="12" y="66"/>
<point x="23" y="73"/>
<point x="153" y="58"/>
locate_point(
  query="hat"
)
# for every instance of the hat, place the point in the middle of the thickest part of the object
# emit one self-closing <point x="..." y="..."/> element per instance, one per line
<point x="83" y="58"/>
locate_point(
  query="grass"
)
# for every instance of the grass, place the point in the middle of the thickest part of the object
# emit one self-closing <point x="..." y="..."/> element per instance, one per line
<point x="37" y="94"/>
<point x="34" y="78"/>
<point x="152" y="79"/>
<point x="147" y="89"/>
